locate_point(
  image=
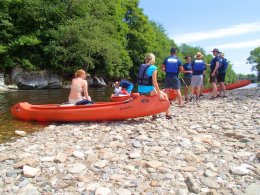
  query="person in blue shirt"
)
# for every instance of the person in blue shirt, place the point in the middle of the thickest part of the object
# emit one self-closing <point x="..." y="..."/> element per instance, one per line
<point x="126" y="85"/>
<point x="187" y="76"/>
<point x="147" y="80"/>
<point x="198" y="68"/>
<point x="172" y="66"/>
<point x="214" y="64"/>
<point x="222" y="73"/>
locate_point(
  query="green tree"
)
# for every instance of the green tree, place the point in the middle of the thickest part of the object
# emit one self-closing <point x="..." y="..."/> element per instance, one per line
<point x="254" y="59"/>
<point x="161" y="47"/>
<point x="140" y="37"/>
<point x="19" y="33"/>
<point x="231" y="76"/>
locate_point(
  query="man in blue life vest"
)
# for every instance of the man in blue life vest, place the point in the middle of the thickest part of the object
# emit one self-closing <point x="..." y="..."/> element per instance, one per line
<point x="172" y="66"/>
<point x="214" y="64"/>
<point x="223" y="64"/>
<point x="187" y="76"/>
<point x="198" y="68"/>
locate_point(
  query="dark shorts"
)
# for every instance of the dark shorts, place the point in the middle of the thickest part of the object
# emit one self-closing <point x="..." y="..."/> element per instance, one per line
<point x="221" y="77"/>
<point x="172" y="83"/>
<point x="187" y="80"/>
<point x="213" y="79"/>
<point x="83" y="102"/>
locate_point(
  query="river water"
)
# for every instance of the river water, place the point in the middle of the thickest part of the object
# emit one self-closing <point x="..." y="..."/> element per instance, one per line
<point x="8" y="124"/>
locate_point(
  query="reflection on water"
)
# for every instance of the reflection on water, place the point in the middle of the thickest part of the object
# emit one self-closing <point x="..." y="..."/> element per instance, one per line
<point x="8" y="124"/>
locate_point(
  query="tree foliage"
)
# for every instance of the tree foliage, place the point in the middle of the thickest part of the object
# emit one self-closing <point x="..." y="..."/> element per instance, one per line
<point x="254" y="59"/>
<point x="107" y="38"/>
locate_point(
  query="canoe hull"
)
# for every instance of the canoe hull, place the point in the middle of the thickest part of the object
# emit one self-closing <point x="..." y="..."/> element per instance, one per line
<point x="235" y="85"/>
<point x="172" y="94"/>
<point x="102" y="111"/>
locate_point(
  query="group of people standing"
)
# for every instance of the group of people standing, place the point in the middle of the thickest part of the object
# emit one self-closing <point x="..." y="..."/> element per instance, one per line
<point x="218" y="67"/>
<point x="194" y="73"/>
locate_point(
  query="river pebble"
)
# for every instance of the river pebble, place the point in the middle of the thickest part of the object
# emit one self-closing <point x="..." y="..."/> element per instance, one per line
<point x="211" y="149"/>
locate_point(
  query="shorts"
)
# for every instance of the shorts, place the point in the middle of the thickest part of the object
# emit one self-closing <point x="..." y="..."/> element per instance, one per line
<point x="187" y="80"/>
<point x="221" y="77"/>
<point x="196" y="80"/>
<point x="213" y="79"/>
<point x="172" y="83"/>
<point x="84" y="102"/>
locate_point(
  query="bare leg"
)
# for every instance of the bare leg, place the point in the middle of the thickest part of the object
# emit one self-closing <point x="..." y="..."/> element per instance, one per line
<point x="165" y="96"/>
<point x="201" y="89"/>
<point x="192" y="90"/>
<point x="198" y="92"/>
<point x="223" y="88"/>
<point x="214" y="89"/>
<point x="179" y="96"/>
<point x="186" y="92"/>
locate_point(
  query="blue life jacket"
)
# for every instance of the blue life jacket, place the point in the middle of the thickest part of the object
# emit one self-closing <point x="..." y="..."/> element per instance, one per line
<point x="223" y="64"/>
<point x="125" y="84"/>
<point x="143" y="78"/>
<point x="198" y="65"/>
<point x="171" y="65"/>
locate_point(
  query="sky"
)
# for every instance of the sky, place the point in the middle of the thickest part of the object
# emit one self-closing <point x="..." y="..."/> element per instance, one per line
<point x="232" y="26"/>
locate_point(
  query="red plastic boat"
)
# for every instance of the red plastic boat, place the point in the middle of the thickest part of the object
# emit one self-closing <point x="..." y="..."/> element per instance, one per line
<point x="121" y="98"/>
<point x="100" y="111"/>
<point x="172" y="94"/>
<point x="235" y="85"/>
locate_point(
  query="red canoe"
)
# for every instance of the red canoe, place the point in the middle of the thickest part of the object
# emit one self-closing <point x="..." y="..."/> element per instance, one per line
<point x="235" y="85"/>
<point x="100" y="111"/>
<point x="121" y="98"/>
<point x="172" y="94"/>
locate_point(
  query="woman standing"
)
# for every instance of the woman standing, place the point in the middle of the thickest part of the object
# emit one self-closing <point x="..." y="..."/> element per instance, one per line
<point x="79" y="89"/>
<point x="147" y="80"/>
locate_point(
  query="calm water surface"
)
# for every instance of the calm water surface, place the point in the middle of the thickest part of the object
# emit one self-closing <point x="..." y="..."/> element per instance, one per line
<point x="8" y="124"/>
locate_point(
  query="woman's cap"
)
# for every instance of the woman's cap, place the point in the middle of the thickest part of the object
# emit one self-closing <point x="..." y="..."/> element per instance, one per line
<point x="215" y="50"/>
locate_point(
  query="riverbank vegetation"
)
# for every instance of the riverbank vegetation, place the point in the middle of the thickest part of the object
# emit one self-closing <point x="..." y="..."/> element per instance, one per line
<point x="254" y="59"/>
<point x="106" y="38"/>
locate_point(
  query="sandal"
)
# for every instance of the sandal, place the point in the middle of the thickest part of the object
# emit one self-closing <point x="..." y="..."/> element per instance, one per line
<point x="168" y="117"/>
<point x="154" y="117"/>
<point x="212" y="98"/>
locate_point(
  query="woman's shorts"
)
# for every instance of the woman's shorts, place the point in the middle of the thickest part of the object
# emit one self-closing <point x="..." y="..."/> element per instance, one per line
<point x="196" y="80"/>
<point x="221" y="77"/>
<point x="187" y="80"/>
<point x="213" y="79"/>
<point x="172" y="83"/>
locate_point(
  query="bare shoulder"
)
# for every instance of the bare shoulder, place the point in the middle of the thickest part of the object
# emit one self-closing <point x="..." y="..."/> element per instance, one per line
<point x="84" y="82"/>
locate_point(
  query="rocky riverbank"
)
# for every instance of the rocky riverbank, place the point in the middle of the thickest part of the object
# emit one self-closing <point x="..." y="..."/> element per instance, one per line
<point x="211" y="149"/>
